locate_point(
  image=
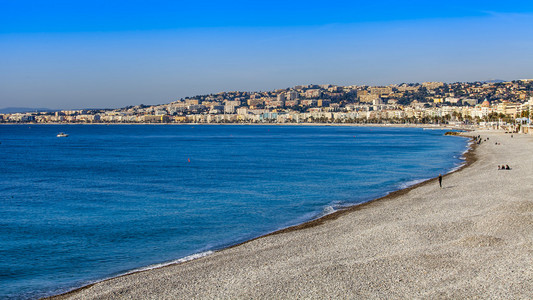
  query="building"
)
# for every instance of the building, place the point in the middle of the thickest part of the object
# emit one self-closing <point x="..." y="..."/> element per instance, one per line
<point x="255" y="102"/>
<point x="508" y="108"/>
<point x="369" y="98"/>
<point x="291" y="95"/>
<point x="155" y="119"/>
<point x="432" y="85"/>
<point x="380" y="91"/>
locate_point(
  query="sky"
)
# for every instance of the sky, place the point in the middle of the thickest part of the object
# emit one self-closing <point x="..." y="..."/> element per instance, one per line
<point x="111" y="54"/>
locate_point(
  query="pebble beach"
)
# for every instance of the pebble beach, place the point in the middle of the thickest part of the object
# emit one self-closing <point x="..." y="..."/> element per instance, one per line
<point x="472" y="238"/>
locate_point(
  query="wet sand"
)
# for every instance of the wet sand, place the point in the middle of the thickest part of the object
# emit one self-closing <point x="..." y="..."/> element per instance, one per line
<point x="471" y="239"/>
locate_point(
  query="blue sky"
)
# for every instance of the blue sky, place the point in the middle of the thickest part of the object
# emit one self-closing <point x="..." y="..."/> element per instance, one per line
<point x="83" y="54"/>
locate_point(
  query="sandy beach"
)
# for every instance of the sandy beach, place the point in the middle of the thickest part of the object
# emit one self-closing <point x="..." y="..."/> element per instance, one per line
<point x="473" y="238"/>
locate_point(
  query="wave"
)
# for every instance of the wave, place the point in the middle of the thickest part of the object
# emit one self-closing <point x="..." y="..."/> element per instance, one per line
<point x="326" y="211"/>
<point x="459" y="166"/>
<point x="468" y="147"/>
<point x="410" y="183"/>
<point x="150" y="267"/>
<point x="312" y="215"/>
<point x="463" y="157"/>
<point x="172" y="262"/>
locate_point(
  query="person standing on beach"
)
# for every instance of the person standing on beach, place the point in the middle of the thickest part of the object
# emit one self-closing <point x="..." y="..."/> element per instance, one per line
<point x="440" y="180"/>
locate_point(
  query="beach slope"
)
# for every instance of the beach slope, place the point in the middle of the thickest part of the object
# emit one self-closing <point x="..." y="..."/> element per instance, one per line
<point x="473" y="238"/>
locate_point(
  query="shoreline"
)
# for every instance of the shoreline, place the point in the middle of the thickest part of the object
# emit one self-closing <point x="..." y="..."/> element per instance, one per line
<point x="469" y="157"/>
<point x="469" y="239"/>
<point x="402" y="125"/>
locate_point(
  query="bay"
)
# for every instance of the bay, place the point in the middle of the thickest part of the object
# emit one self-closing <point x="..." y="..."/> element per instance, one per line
<point x="111" y="199"/>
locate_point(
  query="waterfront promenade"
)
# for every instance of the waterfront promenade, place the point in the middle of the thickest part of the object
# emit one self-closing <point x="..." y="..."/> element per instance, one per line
<point x="471" y="239"/>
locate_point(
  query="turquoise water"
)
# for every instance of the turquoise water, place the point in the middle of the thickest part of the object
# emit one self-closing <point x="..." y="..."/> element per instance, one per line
<point x="110" y="199"/>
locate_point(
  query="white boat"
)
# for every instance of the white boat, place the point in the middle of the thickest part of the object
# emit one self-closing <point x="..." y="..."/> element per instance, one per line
<point x="62" y="134"/>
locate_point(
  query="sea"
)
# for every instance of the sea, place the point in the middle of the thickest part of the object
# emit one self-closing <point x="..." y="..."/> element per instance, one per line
<point x="112" y="199"/>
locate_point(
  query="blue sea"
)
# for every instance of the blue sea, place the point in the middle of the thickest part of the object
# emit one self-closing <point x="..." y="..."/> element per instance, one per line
<point x="107" y="200"/>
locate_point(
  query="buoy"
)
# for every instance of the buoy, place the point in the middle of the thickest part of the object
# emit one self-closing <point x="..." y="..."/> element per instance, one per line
<point x="188" y="159"/>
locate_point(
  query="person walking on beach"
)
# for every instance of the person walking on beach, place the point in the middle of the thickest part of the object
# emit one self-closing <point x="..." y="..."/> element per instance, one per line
<point x="440" y="180"/>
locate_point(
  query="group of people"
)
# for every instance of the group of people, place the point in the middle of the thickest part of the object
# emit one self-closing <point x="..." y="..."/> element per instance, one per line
<point x="478" y="139"/>
<point x="503" y="167"/>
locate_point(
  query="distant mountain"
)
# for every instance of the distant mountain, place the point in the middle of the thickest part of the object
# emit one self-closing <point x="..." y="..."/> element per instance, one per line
<point x="494" y="81"/>
<point x="12" y="110"/>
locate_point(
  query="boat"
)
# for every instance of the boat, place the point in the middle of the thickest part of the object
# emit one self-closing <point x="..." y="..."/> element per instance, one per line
<point x="62" y="134"/>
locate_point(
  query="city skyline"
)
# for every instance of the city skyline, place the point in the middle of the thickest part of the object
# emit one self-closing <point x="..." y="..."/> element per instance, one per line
<point x="98" y="55"/>
<point x="429" y="102"/>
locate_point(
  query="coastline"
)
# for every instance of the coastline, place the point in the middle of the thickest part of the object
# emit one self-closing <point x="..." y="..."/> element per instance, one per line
<point x="258" y="251"/>
<point x="468" y="157"/>
<point x="403" y="125"/>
